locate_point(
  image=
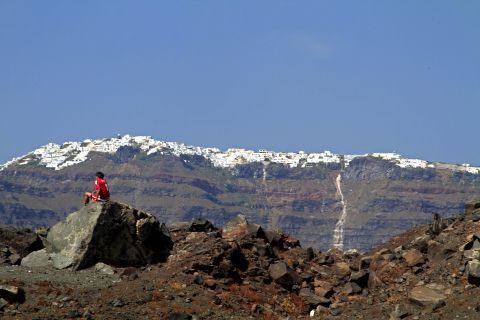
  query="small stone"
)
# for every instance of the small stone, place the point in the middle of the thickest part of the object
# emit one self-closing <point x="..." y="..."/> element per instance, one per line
<point x="197" y="279"/>
<point x="88" y="315"/>
<point x="388" y="256"/>
<point x="179" y="316"/>
<point x="360" y="278"/>
<point x="209" y="283"/>
<point x="322" y="292"/>
<point x="413" y="257"/>
<point x="15" y="259"/>
<point x="352" y="288"/>
<point x="365" y="262"/>
<point x="351" y="253"/>
<point x="104" y="268"/>
<point x="335" y="312"/>
<point x="398" y="249"/>
<point x="74" y="314"/>
<point x="342" y="269"/>
<point x="201" y="225"/>
<point x="149" y="287"/>
<point x="255" y="308"/>
<point x="399" y="312"/>
<point x="117" y="303"/>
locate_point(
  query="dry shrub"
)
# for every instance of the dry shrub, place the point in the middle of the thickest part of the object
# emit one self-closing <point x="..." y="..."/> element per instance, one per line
<point x="158" y="296"/>
<point x="251" y="295"/>
<point x="43" y="283"/>
<point x="393" y="299"/>
<point x="268" y="316"/>
<point x="235" y="287"/>
<point x="176" y="285"/>
<point x="288" y="305"/>
<point x="224" y="295"/>
<point x="293" y="304"/>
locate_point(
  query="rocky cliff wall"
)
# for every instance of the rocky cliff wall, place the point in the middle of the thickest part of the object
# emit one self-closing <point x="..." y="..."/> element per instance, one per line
<point x="381" y="198"/>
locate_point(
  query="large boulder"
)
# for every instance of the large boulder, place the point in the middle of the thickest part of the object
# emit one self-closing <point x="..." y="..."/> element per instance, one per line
<point x="113" y="233"/>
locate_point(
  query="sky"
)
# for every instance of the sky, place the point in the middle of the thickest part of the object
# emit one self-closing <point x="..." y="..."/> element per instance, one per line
<point x="352" y="77"/>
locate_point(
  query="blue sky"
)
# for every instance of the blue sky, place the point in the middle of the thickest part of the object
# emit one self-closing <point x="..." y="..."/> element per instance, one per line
<point x="347" y="76"/>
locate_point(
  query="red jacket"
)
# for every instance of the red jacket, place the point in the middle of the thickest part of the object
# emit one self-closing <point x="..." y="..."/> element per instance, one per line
<point x="101" y="189"/>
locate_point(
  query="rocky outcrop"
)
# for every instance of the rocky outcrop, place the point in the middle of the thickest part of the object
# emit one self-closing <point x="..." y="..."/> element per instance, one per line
<point x="112" y="233"/>
<point x="16" y="243"/>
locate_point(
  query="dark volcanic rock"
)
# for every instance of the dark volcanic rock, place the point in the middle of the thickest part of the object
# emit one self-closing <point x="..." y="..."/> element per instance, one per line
<point x="113" y="233"/>
<point x="12" y="294"/>
<point x="312" y="299"/>
<point x="19" y="241"/>
<point x="283" y="275"/>
<point x="201" y="225"/>
<point x="179" y="316"/>
<point x="360" y="278"/>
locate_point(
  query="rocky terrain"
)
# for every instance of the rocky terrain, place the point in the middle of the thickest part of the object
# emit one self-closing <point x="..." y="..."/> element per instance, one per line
<point x="244" y="271"/>
<point x="303" y="194"/>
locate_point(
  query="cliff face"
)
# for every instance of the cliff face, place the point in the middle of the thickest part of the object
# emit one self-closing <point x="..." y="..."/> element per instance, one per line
<point x="380" y="198"/>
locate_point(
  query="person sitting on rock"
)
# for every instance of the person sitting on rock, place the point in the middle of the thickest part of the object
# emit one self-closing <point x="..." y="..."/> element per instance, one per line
<point x="101" y="193"/>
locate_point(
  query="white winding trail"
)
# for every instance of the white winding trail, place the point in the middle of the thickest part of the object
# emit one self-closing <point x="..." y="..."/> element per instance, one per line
<point x="338" y="234"/>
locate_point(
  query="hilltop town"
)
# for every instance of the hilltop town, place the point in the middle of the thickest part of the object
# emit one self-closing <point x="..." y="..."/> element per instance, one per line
<point x="59" y="156"/>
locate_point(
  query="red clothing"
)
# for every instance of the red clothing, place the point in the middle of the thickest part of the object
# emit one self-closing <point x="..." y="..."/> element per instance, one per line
<point x="101" y="190"/>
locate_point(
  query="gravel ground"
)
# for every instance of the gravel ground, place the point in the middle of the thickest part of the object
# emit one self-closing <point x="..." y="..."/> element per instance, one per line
<point x="84" y="279"/>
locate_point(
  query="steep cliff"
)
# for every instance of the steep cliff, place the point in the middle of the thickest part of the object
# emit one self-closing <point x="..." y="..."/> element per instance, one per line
<point x="296" y="192"/>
